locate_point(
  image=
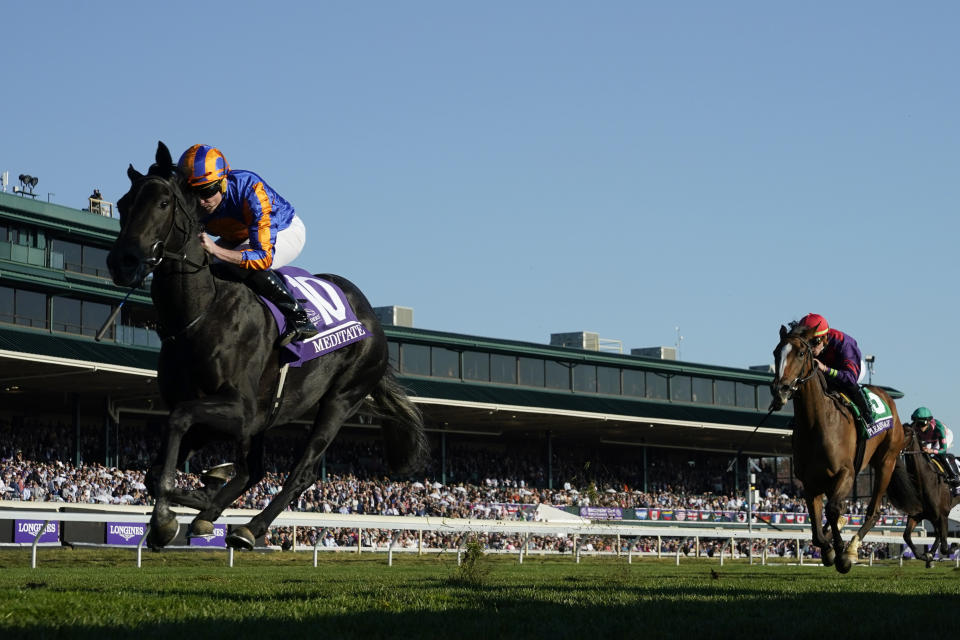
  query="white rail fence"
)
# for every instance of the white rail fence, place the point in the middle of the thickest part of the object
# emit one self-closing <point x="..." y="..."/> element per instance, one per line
<point x="574" y="528"/>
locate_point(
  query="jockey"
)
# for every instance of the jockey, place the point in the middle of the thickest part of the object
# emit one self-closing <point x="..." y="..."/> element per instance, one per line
<point x="838" y="357"/>
<point x="258" y="230"/>
<point x="933" y="441"/>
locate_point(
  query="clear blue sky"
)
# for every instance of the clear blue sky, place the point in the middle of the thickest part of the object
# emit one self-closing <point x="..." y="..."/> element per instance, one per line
<point x="517" y="169"/>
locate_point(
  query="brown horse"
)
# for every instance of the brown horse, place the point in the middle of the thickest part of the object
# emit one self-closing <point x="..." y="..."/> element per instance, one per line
<point x="824" y="445"/>
<point x="918" y="489"/>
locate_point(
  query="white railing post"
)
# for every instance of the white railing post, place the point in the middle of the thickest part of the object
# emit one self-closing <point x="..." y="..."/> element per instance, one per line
<point x="393" y="539"/>
<point x="146" y="532"/>
<point x="36" y="541"/>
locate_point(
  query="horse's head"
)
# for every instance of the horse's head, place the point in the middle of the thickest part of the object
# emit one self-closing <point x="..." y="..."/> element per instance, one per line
<point x="156" y="218"/>
<point x="793" y="362"/>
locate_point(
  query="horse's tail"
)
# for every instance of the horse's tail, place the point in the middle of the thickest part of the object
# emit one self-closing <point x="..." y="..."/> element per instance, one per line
<point x="903" y="491"/>
<point x="404" y="436"/>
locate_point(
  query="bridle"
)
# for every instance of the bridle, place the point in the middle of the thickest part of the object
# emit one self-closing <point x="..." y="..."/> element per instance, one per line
<point x="807" y="356"/>
<point x="179" y="221"/>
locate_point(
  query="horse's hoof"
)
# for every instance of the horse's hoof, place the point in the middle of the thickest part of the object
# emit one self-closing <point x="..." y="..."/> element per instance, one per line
<point x="217" y="475"/>
<point x="841" y="523"/>
<point x="828" y="557"/>
<point x="241" y="538"/>
<point x="844" y="564"/>
<point x="200" y="528"/>
<point x="163" y="534"/>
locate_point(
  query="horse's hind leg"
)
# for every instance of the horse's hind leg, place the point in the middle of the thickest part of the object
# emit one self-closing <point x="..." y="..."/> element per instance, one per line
<point x="881" y="480"/>
<point x="331" y="416"/>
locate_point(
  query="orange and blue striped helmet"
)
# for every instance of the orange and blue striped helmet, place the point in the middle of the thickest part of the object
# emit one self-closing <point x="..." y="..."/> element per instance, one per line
<point x="203" y="165"/>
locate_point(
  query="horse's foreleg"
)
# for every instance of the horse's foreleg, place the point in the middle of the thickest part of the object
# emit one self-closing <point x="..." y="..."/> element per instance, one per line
<point x="835" y="503"/>
<point x="908" y="536"/>
<point x="331" y="416"/>
<point x="223" y="412"/>
<point x="249" y="471"/>
<point x="820" y="537"/>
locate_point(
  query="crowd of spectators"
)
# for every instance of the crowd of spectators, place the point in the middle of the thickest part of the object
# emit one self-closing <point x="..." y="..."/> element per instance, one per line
<point x="490" y="481"/>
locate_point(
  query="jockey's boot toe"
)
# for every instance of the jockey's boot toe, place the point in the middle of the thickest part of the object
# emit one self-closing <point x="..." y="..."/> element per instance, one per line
<point x="288" y="336"/>
<point x="298" y="329"/>
<point x="306" y="330"/>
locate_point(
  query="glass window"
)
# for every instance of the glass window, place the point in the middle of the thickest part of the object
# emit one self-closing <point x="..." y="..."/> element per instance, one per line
<point x="656" y="386"/>
<point x="94" y="315"/>
<point x="680" y="388"/>
<point x="30" y="308"/>
<point x="444" y="363"/>
<point x="138" y="326"/>
<point x="764" y="396"/>
<point x="726" y="394"/>
<point x="66" y="315"/>
<point x="6" y="305"/>
<point x="415" y="359"/>
<point x="608" y="380"/>
<point x="746" y="395"/>
<point x="503" y="368"/>
<point x="703" y="390"/>
<point x="530" y="372"/>
<point x="476" y="366"/>
<point x="585" y="378"/>
<point x="95" y="261"/>
<point x="72" y="254"/>
<point x="557" y="375"/>
<point x="634" y="383"/>
<point x="394" y="349"/>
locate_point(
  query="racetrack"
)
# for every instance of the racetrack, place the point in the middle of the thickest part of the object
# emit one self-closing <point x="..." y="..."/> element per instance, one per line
<point x="96" y="593"/>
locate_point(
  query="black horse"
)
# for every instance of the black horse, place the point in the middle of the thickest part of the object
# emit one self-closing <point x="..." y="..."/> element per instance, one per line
<point x="919" y="490"/>
<point x="219" y="367"/>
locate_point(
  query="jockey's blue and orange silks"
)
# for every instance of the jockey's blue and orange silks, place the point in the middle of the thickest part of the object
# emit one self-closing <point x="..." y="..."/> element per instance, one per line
<point x="250" y="209"/>
<point x="842" y="355"/>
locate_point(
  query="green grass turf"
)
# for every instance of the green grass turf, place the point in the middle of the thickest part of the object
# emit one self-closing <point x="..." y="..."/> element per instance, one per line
<point x="88" y="593"/>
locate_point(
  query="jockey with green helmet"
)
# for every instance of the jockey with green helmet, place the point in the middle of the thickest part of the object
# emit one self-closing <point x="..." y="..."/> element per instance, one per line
<point x="257" y="230"/>
<point x="837" y="355"/>
<point x="933" y="440"/>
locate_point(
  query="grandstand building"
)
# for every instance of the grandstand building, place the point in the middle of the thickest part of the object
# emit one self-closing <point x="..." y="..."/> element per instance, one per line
<point x="56" y="293"/>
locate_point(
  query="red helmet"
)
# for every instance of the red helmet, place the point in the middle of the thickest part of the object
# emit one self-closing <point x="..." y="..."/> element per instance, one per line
<point x="816" y="322"/>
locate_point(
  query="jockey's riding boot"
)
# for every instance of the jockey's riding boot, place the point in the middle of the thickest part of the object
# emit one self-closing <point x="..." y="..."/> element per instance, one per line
<point x="270" y="285"/>
<point x="866" y="412"/>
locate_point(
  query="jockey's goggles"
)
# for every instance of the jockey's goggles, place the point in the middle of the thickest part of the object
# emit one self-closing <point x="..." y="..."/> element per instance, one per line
<point x="208" y="190"/>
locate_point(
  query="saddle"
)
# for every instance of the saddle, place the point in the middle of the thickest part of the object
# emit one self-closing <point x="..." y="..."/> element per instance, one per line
<point x="882" y="414"/>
